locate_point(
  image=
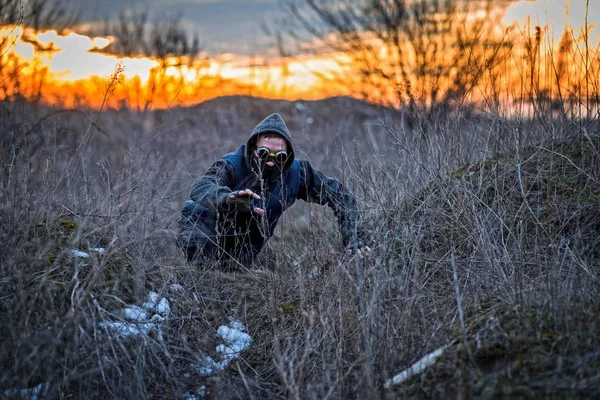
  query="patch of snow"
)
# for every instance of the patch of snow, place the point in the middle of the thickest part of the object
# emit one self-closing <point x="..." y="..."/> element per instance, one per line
<point x="163" y="307"/>
<point x="176" y="287"/>
<point x="152" y="302"/>
<point x="127" y="329"/>
<point x="135" y="313"/>
<point x="157" y="318"/>
<point x="235" y="340"/>
<point x="38" y="392"/>
<point x="141" y="320"/>
<point x="310" y="120"/>
<point x="235" y="324"/>
<point x="416" y="368"/>
<point x="79" y="254"/>
<point x="299" y="106"/>
<point x="227" y="353"/>
<point x="208" y="366"/>
<point x="83" y="254"/>
<point x="201" y="393"/>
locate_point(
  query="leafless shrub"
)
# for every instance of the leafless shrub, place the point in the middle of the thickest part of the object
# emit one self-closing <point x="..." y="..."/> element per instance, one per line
<point x="394" y="48"/>
<point x="163" y="38"/>
<point x="38" y="14"/>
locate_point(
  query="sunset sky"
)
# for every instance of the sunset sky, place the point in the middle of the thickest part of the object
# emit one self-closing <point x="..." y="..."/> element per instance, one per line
<point x="236" y="26"/>
<point x="232" y="37"/>
<point x="224" y="26"/>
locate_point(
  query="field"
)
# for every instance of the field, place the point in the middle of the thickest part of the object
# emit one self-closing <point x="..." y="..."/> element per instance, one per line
<point x="484" y="228"/>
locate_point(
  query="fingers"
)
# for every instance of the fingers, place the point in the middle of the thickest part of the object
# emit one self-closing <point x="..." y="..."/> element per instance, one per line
<point x="242" y="200"/>
<point x="259" y="211"/>
<point x="249" y="193"/>
<point x="244" y="192"/>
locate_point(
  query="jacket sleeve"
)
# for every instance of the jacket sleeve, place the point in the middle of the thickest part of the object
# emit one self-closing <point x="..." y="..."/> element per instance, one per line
<point x="316" y="187"/>
<point x="212" y="188"/>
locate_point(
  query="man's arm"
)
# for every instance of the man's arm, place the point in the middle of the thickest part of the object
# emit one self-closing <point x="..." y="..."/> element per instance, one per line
<point x="213" y="190"/>
<point x="316" y="187"/>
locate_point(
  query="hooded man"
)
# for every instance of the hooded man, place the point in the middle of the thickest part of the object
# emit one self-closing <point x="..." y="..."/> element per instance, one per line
<point x="236" y="204"/>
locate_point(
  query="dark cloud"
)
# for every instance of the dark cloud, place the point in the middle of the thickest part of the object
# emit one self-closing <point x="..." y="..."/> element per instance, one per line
<point x="222" y="25"/>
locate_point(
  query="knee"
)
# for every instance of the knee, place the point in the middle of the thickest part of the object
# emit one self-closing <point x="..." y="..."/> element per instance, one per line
<point x="200" y="248"/>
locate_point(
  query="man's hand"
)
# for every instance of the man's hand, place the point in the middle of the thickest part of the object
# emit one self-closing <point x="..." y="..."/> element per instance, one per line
<point x="242" y="200"/>
<point x="361" y="251"/>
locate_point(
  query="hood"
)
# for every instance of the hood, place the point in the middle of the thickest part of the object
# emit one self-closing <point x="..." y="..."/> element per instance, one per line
<point x="274" y="124"/>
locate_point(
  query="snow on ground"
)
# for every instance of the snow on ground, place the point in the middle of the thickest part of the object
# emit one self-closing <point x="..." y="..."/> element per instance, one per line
<point x="79" y="254"/>
<point x="141" y="320"/>
<point x="176" y="287"/>
<point x="234" y="340"/>
<point x="135" y="320"/>
<point x="418" y="367"/>
<point x="200" y="394"/>
<point x="82" y="254"/>
<point x="37" y="393"/>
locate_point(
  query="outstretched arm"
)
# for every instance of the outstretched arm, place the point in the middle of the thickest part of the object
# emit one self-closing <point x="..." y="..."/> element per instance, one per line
<point x="213" y="190"/>
<point x="316" y="187"/>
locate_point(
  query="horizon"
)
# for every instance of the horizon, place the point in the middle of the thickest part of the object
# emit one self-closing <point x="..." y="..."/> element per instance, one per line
<point x="78" y="68"/>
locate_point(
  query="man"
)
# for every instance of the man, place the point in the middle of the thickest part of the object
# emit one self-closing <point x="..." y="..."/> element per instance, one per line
<point x="235" y="206"/>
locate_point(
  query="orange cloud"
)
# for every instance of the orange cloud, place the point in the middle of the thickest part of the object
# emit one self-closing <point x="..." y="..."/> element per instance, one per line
<point x="72" y="70"/>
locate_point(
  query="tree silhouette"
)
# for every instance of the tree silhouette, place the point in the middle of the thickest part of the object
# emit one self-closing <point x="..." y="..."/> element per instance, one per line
<point x="163" y="38"/>
<point x="39" y="14"/>
<point x="427" y="52"/>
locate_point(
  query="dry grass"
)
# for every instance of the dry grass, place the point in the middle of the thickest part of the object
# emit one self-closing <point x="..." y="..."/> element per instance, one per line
<point x="483" y="240"/>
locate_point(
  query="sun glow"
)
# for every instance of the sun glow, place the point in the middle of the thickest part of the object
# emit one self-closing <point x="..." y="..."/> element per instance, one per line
<point x="73" y="70"/>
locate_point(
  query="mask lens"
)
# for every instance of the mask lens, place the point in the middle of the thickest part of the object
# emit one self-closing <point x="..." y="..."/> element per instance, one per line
<point x="281" y="157"/>
<point x="262" y="153"/>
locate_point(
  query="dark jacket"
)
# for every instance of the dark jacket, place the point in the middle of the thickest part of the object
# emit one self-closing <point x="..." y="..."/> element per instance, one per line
<point x="248" y="231"/>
